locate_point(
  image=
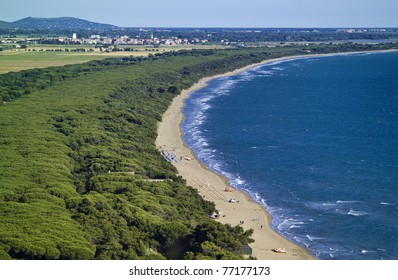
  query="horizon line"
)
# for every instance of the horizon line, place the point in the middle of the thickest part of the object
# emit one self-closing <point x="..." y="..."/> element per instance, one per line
<point x="216" y="27"/>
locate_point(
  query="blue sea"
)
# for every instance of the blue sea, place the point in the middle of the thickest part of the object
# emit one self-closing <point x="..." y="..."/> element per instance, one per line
<point x="314" y="140"/>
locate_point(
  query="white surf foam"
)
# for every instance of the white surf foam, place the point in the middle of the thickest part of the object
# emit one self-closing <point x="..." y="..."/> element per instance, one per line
<point x="346" y="201"/>
<point x="386" y="203"/>
<point x="357" y="213"/>
<point x="312" y="238"/>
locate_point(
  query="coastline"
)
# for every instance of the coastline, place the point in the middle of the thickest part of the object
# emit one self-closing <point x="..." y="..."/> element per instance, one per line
<point x="212" y="186"/>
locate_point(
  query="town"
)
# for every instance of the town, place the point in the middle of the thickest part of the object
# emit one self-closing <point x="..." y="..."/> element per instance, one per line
<point x="123" y="38"/>
<point x="98" y="40"/>
<point x="127" y="40"/>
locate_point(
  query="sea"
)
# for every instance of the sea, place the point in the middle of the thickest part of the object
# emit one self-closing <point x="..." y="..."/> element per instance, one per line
<point x="315" y="141"/>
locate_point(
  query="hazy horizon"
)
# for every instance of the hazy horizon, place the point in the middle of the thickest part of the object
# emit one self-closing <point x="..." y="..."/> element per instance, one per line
<point x="229" y="27"/>
<point x="227" y="14"/>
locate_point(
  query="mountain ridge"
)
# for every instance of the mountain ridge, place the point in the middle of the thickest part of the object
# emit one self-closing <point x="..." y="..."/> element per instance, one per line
<point x="59" y="23"/>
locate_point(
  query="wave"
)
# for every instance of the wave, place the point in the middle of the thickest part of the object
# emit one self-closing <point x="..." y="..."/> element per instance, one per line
<point x="312" y="238"/>
<point x="386" y="203"/>
<point x="356" y="213"/>
<point x="239" y="181"/>
<point x="322" y="206"/>
<point x="285" y="224"/>
<point x="246" y="76"/>
<point x="346" y="201"/>
<point x="265" y="73"/>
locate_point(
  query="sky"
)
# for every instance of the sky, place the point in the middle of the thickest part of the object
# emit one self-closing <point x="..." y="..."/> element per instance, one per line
<point x="212" y="13"/>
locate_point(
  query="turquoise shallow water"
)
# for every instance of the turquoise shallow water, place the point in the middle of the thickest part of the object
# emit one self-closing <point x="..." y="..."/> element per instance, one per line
<point x="315" y="140"/>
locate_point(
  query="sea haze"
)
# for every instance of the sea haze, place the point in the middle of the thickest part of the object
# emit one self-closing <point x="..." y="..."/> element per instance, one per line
<point x="315" y="140"/>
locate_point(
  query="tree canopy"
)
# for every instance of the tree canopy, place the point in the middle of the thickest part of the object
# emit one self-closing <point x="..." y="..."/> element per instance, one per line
<point x="77" y="146"/>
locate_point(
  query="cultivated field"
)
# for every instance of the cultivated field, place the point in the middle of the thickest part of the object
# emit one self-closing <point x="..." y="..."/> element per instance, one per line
<point x="40" y="56"/>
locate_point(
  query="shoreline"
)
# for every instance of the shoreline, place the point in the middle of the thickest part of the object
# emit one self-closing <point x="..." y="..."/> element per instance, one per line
<point x="245" y="211"/>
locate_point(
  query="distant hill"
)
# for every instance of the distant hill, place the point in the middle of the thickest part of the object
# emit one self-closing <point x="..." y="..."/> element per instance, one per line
<point x="62" y="23"/>
<point x="4" y="24"/>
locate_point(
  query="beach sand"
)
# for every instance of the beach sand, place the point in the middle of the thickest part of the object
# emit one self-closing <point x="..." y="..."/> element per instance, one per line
<point x="212" y="186"/>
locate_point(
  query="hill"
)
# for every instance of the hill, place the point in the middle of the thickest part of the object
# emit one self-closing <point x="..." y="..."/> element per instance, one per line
<point x="62" y="23"/>
<point x="4" y="24"/>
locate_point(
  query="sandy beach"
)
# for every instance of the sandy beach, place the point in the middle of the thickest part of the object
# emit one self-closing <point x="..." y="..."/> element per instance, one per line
<point x="243" y="210"/>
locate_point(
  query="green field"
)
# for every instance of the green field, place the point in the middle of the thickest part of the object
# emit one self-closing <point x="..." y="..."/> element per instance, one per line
<point x="50" y="55"/>
<point x="17" y="61"/>
<point x="21" y="60"/>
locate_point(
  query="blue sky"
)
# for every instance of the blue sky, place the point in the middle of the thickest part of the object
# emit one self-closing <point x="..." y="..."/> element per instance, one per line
<point x="213" y="13"/>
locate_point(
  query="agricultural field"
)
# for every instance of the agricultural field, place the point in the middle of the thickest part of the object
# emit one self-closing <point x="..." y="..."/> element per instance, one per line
<point x="17" y="60"/>
<point x="41" y="56"/>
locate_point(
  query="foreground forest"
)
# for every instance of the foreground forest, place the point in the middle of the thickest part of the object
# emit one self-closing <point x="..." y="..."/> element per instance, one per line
<point x="77" y="148"/>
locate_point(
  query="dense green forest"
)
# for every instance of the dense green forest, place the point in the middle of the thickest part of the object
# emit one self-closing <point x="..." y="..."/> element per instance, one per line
<point x="77" y="148"/>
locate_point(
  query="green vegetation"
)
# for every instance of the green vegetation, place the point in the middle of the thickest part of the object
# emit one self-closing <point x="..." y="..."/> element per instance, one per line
<point x="21" y="60"/>
<point x="42" y="56"/>
<point x="77" y="147"/>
